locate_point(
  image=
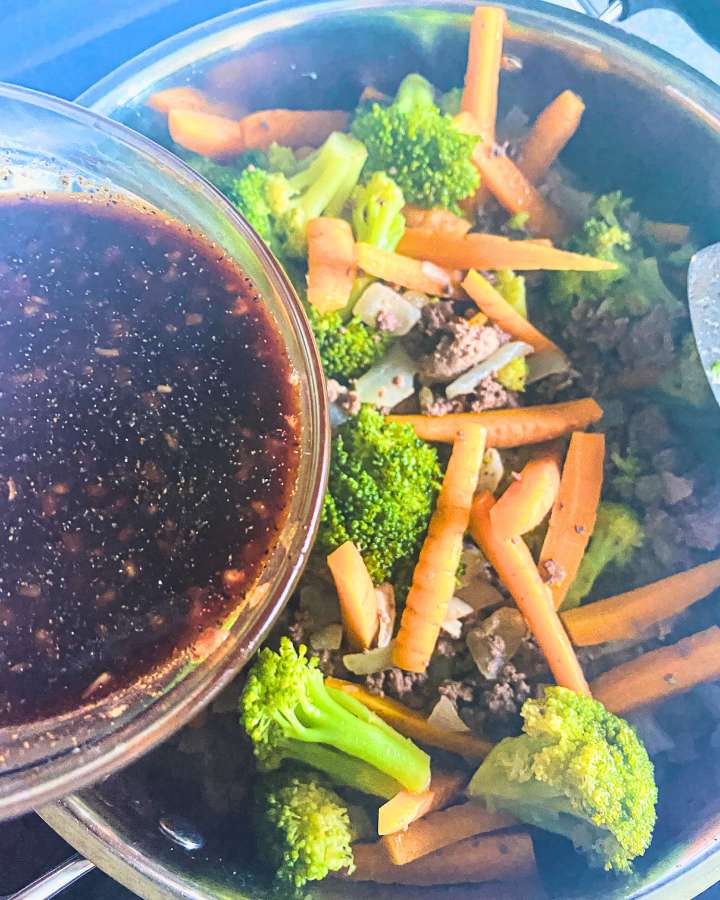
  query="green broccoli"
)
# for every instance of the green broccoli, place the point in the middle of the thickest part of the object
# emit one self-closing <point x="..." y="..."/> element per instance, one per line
<point x="347" y="349"/>
<point x="302" y="827"/>
<point x="282" y="159"/>
<point x="381" y="492"/>
<point x="518" y="222"/>
<point x="512" y="287"/>
<point x="617" y="534"/>
<point x="286" y="707"/>
<point x="629" y="468"/>
<point x="512" y="375"/>
<point x="377" y="212"/>
<point x="579" y="771"/>
<point x="686" y="378"/>
<point x="422" y="149"/>
<point x="279" y="207"/>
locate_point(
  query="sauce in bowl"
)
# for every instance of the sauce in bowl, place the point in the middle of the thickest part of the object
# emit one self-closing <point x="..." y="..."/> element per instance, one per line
<point x="148" y="445"/>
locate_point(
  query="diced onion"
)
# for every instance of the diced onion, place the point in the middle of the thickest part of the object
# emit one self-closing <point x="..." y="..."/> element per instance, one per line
<point x="469" y="380"/>
<point x="491" y="471"/>
<point x="385" y="594"/>
<point x="389" y="381"/>
<point x="453" y="627"/>
<point x="417" y="298"/>
<point x="458" y="609"/>
<point x="336" y="415"/>
<point x="442" y="276"/>
<point x="544" y="363"/>
<point x="369" y="661"/>
<point x="445" y="716"/>
<point x="379" y="298"/>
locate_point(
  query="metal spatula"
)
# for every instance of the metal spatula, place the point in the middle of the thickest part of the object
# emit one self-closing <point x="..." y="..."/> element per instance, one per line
<point x="704" y="299"/>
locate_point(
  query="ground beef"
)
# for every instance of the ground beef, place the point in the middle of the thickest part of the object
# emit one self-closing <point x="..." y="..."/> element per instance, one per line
<point x="490" y="394"/>
<point x="701" y="527"/>
<point x="647" y="340"/>
<point x="649" y="429"/>
<point x="457" y="690"/>
<point x="409" y="687"/>
<point x="461" y="347"/>
<point x="506" y="697"/>
<point x="386" y="320"/>
<point x="441" y="406"/>
<point x="346" y="400"/>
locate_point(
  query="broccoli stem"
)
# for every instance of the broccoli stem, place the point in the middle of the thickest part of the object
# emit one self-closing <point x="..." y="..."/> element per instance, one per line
<point x="330" y="177"/>
<point x="344" y="769"/>
<point x="414" y="92"/>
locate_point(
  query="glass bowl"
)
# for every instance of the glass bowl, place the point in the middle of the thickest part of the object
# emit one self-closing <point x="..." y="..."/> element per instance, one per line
<point x="50" y="145"/>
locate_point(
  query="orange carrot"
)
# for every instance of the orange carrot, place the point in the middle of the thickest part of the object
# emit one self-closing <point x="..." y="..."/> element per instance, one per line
<point x="218" y="136"/>
<point x="440" y="220"/>
<point x="573" y="517"/>
<point x="405" y="807"/>
<point x="509" y="427"/>
<point x="433" y="582"/>
<point x="482" y="76"/>
<point x="442" y="828"/>
<point x="516" y="569"/>
<point x="185" y="98"/>
<point x="358" y="603"/>
<point x="483" y="857"/>
<point x="527" y="500"/>
<point x="397" y="269"/>
<point x="668" y="232"/>
<point x="629" y="615"/>
<point x="492" y="251"/>
<point x="552" y="129"/>
<point x="331" y="263"/>
<point x="516" y="194"/>
<point x="370" y="94"/>
<point x="413" y="725"/>
<point x="490" y="301"/>
<point x="478" y="319"/>
<point x="659" y="674"/>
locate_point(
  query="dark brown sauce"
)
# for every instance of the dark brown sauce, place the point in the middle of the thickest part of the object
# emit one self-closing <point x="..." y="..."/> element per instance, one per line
<point x="148" y="445"/>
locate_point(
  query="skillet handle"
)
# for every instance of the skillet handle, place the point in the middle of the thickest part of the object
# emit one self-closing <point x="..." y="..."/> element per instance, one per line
<point x="54" y="882"/>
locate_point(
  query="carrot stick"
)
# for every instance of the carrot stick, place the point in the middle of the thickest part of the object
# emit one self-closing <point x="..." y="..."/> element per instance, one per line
<point x="331" y="263"/>
<point x="442" y="828"/>
<point x="629" y="615"/>
<point x="185" y="98"/>
<point x="218" y="136"/>
<point x="509" y="427"/>
<point x="358" y="603"/>
<point x="492" y="251"/>
<point x="552" y="129"/>
<point x="405" y="807"/>
<point x="573" y="517"/>
<point x="440" y="220"/>
<point x="498" y="310"/>
<point x="415" y="726"/>
<point x="483" y="857"/>
<point x="661" y="673"/>
<point x="527" y="500"/>
<point x="482" y="76"/>
<point x="668" y="232"/>
<point x="433" y="582"/>
<point x="397" y="269"/>
<point x="516" y="194"/>
<point x="516" y="569"/>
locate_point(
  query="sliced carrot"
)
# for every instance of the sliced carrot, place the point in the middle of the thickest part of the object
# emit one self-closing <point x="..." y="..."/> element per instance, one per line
<point x="482" y="76"/>
<point x="573" y="517"/>
<point x="668" y="232"/>
<point x="415" y="726"/>
<point x="186" y="98"/>
<point x="528" y="499"/>
<point x="370" y="94"/>
<point x="659" y="674"/>
<point x="433" y="582"/>
<point x="516" y="569"/>
<point x="442" y="828"/>
<point x="397" y="269"/>
<point x="332" y="263"/>
<point x="478" y="319"/>
<point x="405" y="807"/>
<point x="509" y="427"/>
<point x="516" y="194"/>
<point x="629" y="615"/>
<point x="483" y="857"/>
<point x="440" y="220"/>
<point x="551" y="131"/>
<point x="206" y="133"/>
<point x="358" y="603"/>
<point x="492" y="251"/>
<point x="490" y="301"/>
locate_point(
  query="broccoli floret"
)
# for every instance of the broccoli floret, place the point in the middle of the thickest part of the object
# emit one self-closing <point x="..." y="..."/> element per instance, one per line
<point x="423" y="150"/>
<point x="279" y="207"/>
<point x="512" y="375"/>
<point x="686" y="378"/>
<point x="377" y="212"/>
<point x="617" y="534"/>
<point x="347" y="349"/>
<point x="381" y="492"/>
<point x="302" y="827"/>
<point x="518" y="222"/>
<point x="512" y="287"/>
<point x="629" y="468"/>
<point x="579" y="771"/>
<point x="286" y="706"/>
<point x="281" y="159"/>
<point x="223" y="176"/>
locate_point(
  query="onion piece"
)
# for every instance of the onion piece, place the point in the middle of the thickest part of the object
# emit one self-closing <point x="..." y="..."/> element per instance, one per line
<point x="491" y="471"/>
<point x="329" y="637"/>
<point x="379" y="298"/>
<point x="458" y="609"/>
<point x="544" y="363"/>
<point x="445" y="716"/>
<point x="336" y="415"/>
<point x="417" y="298"/>
<point x="369" y="661"/>
<point x="385" y="594"/>
<point x="389" y="381"/>
<point x="437" y="273"/>
<point x="469" y="380"/>
<point x="453" y="627"/>
<point x="319" y="604"/>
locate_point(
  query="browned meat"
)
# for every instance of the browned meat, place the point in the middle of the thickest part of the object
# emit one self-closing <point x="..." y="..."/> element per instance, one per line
<point x="461" y="347"/>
